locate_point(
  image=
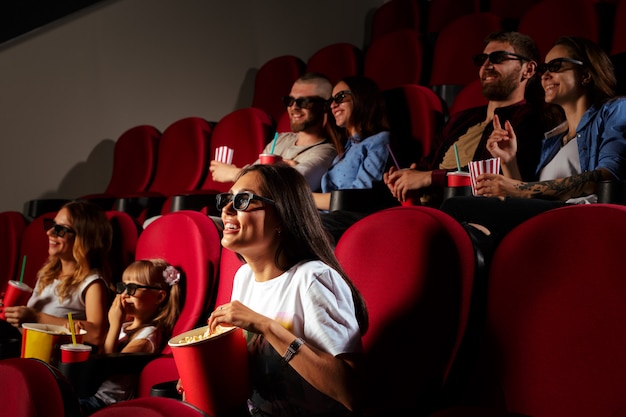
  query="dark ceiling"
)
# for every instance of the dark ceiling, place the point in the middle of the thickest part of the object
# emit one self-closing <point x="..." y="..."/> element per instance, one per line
<point x="18" y="17"/>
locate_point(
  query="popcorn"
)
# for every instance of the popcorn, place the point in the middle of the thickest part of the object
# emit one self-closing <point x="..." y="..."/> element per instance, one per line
<point x="206" y="335"/>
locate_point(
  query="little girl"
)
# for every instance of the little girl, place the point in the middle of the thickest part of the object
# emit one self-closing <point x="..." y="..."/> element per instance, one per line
<point x="148" y="297"/>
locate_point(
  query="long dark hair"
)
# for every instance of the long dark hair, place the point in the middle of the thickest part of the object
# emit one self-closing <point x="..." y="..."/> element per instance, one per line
<point x="597" y="64"/>
<point x="369" y="114"/>
<point x="302" y="237"/>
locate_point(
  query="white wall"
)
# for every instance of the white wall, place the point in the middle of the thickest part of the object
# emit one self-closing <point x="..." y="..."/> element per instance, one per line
<point x="67" y="91"/>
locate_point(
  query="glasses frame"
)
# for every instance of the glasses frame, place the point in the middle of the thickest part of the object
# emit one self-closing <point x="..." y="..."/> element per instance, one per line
<point x="497" y="57"/>
<point x="223" y="199"/>
<point x="306" y="103"/>
<point x="556" y="64"/>
<point x="58" y="229"/>
<point x="131" y="288"/>
<point x="339" y="98"/>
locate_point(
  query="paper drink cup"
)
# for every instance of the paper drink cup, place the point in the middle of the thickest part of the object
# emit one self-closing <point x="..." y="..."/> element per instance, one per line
<point x="78" y="352"/>
<point x="43" y="341"/>
<point x="213" y="371"/>
<point x="489" y="166"/>
<point x="459" y="179"/>
<point x="17" y="294"/>
<point x="269" y="158"/>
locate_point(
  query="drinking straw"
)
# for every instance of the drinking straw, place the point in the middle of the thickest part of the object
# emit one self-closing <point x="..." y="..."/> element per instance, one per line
<point x="395" y="161"/>
<point x="274" y="143"/>
<point x="23" y="267"/>
<point x="69" y="318"/>
<point x="456" y="155"/>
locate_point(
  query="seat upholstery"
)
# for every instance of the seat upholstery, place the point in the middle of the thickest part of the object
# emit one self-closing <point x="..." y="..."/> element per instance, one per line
<point x="12" y="228"/>
<point x="182" y="165"/>
<point x="246" y="131"/>
<point x="395" y="59"/>
<point x="134" y="164"/>
<point x="34" y="247"/>
<point x="151" y="407"/>
<point x="555" y="332"/>
<point x="336" y="61"/>
<point x="415" y="115"/>
<point x="452" y="65"/>
<point x="274" y="80"/>
<point x="394" y="15"/>
<point x="416" y="279"/>
<point x="538" y="23"/>
<point x="190" y="241"/>
<point x="32" y="388"/>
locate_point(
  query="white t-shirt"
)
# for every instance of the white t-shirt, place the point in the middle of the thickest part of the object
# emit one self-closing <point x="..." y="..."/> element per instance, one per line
<point x="48" y="300"/>
<point x="565" y="164"/>
<point x="314" y="302"/>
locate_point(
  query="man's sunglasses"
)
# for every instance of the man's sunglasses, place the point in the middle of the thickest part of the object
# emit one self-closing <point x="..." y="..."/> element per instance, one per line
<point x="241" y="200"/>
<point x="497" y="57"/>
<point x="340" y="97"/>
<point x="555" y="65"/>
<point x="131" y="289"/>
<point x="58" y="230"/>
<point x="302" y="102"/>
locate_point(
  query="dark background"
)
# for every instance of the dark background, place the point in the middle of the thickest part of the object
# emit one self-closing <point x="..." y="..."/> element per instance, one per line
<point x="18" y="17"/>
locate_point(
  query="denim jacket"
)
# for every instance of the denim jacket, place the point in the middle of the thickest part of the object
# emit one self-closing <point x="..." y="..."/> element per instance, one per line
<point x="601" y="138"/>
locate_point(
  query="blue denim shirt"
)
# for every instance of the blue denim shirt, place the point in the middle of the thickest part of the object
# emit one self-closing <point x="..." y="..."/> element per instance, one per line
<point x="362" y="163"/>
<point x="601" y="138"/>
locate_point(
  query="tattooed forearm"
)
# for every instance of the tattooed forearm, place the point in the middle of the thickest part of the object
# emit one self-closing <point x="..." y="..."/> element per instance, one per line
<point x="563" y="188"/>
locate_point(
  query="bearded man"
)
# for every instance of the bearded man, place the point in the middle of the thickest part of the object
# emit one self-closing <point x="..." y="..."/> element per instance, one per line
<point x="306" y="147"/>
<point x="507" y="66"/>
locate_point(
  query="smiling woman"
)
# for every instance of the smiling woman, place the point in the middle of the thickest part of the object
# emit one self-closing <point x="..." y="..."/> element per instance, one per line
<point x="576" y="156"/>
<point x="302" y="315"/>
<point x="76" y="276"/>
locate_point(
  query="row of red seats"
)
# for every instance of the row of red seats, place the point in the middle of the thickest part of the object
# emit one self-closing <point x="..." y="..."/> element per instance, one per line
<point x="543" y="337"/>
<point x="402" y="53"/>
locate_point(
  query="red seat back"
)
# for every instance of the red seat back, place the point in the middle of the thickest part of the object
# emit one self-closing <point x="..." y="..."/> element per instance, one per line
<point x="555" y="331"/>
<point x="32" y="388"/>
<point x="12" y="228"/>
<point x="538" y="24"/>
<point x="151" y="407"/>
<point x="134" y="160"/>
<point x="336" y="61"/>
<point x="190" y="241"/>
<point x="246" y="131"/>
<point x="416" y="278"/>
<point x="183" y="156"/>
<point x="394" y="15"/>
<point x="395" y="59"/>
<point x="273" y="81"/>
<point x="126" y="232"/>
<point x="35" y="248"/>
<point x="415" y="116"/>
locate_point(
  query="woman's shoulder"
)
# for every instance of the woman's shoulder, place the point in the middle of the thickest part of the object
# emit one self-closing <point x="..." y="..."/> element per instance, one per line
<point x="380" y="137"/>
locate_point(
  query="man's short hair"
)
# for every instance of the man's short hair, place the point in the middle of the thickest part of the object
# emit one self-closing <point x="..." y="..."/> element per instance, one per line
<point x="322" y="82"/>
<point x="522" y="44"/>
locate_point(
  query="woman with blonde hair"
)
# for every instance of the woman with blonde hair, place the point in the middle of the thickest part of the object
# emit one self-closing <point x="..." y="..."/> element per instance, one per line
<point x="75" y="278"/>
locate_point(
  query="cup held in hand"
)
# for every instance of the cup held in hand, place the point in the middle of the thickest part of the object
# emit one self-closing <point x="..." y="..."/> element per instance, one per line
<point x="485" y="166"/>
<point x="269" y="158"/>
<point x="17" y="294"/>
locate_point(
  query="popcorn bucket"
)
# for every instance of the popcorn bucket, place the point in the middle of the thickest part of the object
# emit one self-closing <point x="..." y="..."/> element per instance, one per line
<point x="490" y="166"/>
<point x="43" y="341"/>
<point x="213" y="370"/>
